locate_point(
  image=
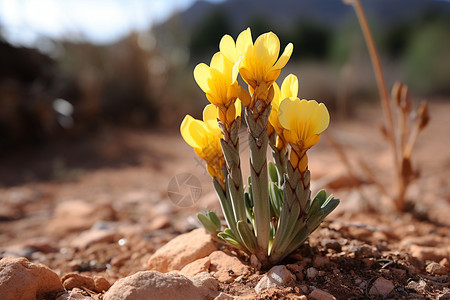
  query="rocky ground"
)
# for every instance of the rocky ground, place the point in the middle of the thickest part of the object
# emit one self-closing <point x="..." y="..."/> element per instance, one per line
<point x="96" y="221"/>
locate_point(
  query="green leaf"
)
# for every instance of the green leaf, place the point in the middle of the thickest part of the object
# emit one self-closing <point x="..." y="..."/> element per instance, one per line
<point x="273" y="172"/>
<point x="229" y="239"/>
<point x="214" y="218"/>
<point x="247" y="236"/>
<point x="207" y="223"/>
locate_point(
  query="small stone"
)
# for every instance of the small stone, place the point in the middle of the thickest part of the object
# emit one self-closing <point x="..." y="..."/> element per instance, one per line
<point x="318" y="294"/>
<point x="381" y="287"/>
<point x="42" y="244"/>
<point x="364" y="251"/>
<point x="436" y="269"/>
<point x="399" y="273"/>
<point x="277" y="276"/>
<point x="444" y="262"/>
<point x="226" y="267"/>
<point x="101" y="284"/>
<point x="182" y="250"/>
<point x="93" y="236"/>
<point x="369" y="262"/>
<point x="195" y="267"/>
<point x="160" y="286"/>
<point x="297" y="270"/>
<point x="419" y="287"/>
<point x="118" y="261"/>
<point x="21" y="279"/>
<point x="320" y="261"/>
<point x="223" y="296"/>
<point x="75" y="294"/>
<point x="331" y="244"/>
<point x="75" y="280"/>
<point x="159" y="222"/>
<point x="425" y="253"/>
<point x="311" y="273"/>
<point x="77" y="215"/>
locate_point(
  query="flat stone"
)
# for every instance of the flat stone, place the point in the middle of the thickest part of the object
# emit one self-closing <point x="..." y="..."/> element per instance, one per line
<point x="182" y="250"/>
<point x="381" y="287"/>
<point x="195" y="267"/>
<point x="278" y="276"/>
<point x="23" y="280"/>
<point x="319" y="294"/>
<point x="225" y="267"/>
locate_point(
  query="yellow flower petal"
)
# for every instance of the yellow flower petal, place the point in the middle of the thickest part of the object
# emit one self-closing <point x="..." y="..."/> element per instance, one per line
<point x="267" y="48"/>
<point x="243" y="42"/>
<point x="289" y="87"/>
<point x="228" y="48"/>
<point x="193" y="132"/>
<point x="288" y="111"/>
<point x="201" y="75"/>
<point x="284" y="58"/>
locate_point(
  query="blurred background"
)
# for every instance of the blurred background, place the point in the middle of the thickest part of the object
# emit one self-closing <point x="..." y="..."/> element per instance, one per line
<point x="75" y="74"/>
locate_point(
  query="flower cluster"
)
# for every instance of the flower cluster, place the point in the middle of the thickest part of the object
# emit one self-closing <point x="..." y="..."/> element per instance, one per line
<point x="272" y="113"/>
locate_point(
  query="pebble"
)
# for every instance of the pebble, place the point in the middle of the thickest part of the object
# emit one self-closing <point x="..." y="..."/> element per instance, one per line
<point x="162" y="286"/>
<point x="77" y="215"/>
<point x="381" y="287"/>
<point x="297" y="270"/>
<point x="75" y="280"/>
<point x="331" y="244"/>
<point x="75" y="294"/>
<point x="225" y="267"/>
<point x="181" y="251"/>
<point x="444" y="262"/>
<point x="436" y="269"/>
<point x="21" y="279"/>
<point x="319" y="294"/>
<point x="277" y="276"/>
<point x="311" y="273"/>
<point x="399" y="273"/>
<point x="93" y="236"/>
<point x="320" y="261"/>
<point x="364" y="251"/>
<point x="419" y="287"/>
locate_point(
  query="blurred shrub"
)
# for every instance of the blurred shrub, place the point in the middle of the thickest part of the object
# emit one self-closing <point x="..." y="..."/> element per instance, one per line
<point x="311" y="39"/>
<point x="427" y="58"/>
<point x="206" y="36"/>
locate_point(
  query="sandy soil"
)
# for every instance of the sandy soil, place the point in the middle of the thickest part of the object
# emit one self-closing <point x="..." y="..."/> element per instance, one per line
<point x="119" y="180"/>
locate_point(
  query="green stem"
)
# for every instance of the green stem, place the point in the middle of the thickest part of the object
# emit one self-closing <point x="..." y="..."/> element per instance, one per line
<point x="235" y="185"/>
<point x="258" y="141"/>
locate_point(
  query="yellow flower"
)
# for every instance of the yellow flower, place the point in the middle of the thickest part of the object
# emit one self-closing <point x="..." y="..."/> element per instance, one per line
<point x="258" y="63"/>
<point x="219" y="82"/>
<point x="289" y="88"/>
<point x="303" y="121"/>
<point x="204" y="136"/>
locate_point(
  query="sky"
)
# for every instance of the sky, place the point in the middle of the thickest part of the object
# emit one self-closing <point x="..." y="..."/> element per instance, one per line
<point x="97" y="21"/>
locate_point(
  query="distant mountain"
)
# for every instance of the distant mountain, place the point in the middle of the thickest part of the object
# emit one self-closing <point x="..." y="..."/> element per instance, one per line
<point x="327" y="12"/>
